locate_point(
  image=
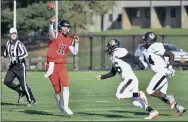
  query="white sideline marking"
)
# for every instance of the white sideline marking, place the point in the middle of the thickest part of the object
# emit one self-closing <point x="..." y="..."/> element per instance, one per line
<point x="102" y="101"/>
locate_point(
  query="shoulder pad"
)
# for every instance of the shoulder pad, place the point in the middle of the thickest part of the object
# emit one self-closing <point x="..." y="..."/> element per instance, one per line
<point x="120" y="52"/>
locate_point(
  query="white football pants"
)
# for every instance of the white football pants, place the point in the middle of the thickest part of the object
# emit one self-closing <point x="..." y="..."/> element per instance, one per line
<point x="127" y="87"/>
<point x="158" y="82"/>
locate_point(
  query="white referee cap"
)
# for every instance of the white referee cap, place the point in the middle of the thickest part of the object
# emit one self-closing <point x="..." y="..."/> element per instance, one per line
<point x="13" y="30"/>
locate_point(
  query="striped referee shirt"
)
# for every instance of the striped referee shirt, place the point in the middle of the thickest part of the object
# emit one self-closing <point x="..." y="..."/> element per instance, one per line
<point x="16" y="51"/>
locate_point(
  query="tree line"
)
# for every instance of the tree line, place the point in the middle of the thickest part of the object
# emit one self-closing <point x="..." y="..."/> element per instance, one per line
<point x="33" y="16"/>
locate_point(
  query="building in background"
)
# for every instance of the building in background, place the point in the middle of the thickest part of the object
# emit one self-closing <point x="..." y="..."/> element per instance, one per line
<point x="143" y="14"/>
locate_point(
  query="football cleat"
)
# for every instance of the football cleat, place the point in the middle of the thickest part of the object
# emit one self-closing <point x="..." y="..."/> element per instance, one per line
<point x="32" y="103"/>
<point x="180" y="110"/>
<point x="152" y="115"/>
<point x="20" y="97"/>
<point x="68" y="111"/>
<point x="143" y="97"/>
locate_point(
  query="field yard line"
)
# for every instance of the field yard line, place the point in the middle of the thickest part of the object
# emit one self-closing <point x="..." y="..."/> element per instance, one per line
<point x="106" y="120"/>
<point x="102" y="101"/>
<point x="93" y="109"/>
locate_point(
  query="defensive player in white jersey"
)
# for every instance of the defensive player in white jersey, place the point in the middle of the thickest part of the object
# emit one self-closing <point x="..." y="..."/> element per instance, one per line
<point x="128" y="88"/>
<point x="154" y="54"/>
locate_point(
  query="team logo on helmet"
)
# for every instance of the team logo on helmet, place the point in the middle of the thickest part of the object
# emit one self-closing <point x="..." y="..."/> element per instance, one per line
<point x="151" y="36"/>
<point x="66" y="24"/>
<point x="143" y="37"/>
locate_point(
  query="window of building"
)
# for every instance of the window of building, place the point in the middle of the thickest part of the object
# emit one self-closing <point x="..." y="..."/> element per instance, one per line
<point x="110" y="17"/>
<point x="136" y="13"/>
<point x="173" y="12"/>
<point x="147" y="13"/>
<point x="119" y="19"/>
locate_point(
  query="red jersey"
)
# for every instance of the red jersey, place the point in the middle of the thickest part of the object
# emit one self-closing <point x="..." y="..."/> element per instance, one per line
<point x="58" y="48"/>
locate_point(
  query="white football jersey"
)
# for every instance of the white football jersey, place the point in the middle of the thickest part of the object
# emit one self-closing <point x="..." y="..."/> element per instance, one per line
<point x="154" y="56"/>
<point x="124" y="69"/>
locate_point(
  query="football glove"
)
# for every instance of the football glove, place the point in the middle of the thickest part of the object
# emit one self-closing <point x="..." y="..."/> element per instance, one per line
<point x="170" y="71"/>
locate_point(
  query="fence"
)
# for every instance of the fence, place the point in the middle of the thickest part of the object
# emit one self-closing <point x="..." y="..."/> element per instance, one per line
<point x="91" y="54"/>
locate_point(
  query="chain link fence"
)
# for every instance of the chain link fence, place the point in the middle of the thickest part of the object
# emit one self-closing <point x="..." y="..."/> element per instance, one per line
<point x="91" y="54"/>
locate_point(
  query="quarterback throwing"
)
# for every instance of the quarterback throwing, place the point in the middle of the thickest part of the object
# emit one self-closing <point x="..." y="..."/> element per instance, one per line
<point x="59" y="45"/>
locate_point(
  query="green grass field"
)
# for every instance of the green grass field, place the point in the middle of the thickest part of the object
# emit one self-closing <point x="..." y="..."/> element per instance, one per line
<point x="90" y="100"/>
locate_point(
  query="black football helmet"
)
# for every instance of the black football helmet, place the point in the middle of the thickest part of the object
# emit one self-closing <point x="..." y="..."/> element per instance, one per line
<point x="64" y="23"/>
<point x="149" y="38"/>
<point x="111" y="45"/>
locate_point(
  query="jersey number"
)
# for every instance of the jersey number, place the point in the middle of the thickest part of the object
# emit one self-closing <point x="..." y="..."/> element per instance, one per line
<point x="150" y="60"/>
<point x="61" y="49"/>
<point x="118" y="68"/>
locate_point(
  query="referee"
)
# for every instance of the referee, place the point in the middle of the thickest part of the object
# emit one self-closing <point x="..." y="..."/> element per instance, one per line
<point x="17" y="52"/>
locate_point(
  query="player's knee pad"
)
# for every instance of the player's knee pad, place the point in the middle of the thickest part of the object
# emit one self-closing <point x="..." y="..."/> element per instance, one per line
<point x="57" y="88"/>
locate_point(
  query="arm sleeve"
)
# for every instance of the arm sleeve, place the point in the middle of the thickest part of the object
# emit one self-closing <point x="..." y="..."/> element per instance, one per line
<point x="50" y="69"/>
<point x="22" y="51"/>
<point x="110" y="74"/>
<point x="132" y="59"/>
<point x="74" y="48"/>
<point x="5" y="53"/>
<point x="51" y="32"/>
<point x="142" y="58"/>
<point x="171" y="57"/>
<point x="143" y="62"/>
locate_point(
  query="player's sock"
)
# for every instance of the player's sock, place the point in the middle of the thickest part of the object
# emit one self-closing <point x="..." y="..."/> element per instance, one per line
<point x="59" y="101"/>
<point x="177" y="105"/>
<point x="58" y="98"/>
<point x="164" y="99"/>
<point x="149" y="109"/>
<point x="66" y="96"/>
<point x="170" y="100"/>
<point x="139" y="103"/>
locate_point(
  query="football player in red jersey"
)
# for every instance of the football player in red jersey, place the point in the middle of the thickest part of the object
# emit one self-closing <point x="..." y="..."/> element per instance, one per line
<point x="59" y="45"/>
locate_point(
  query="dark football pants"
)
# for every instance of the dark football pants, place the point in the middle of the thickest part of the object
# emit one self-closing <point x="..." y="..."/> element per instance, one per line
<point x="18" y="71"/>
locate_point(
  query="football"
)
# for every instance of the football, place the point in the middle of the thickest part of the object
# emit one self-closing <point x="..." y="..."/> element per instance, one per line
<point x="51" y="6"/>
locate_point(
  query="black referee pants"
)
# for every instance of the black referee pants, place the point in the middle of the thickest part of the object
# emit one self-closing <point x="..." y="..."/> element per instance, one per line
<point x="18" y="71"/>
